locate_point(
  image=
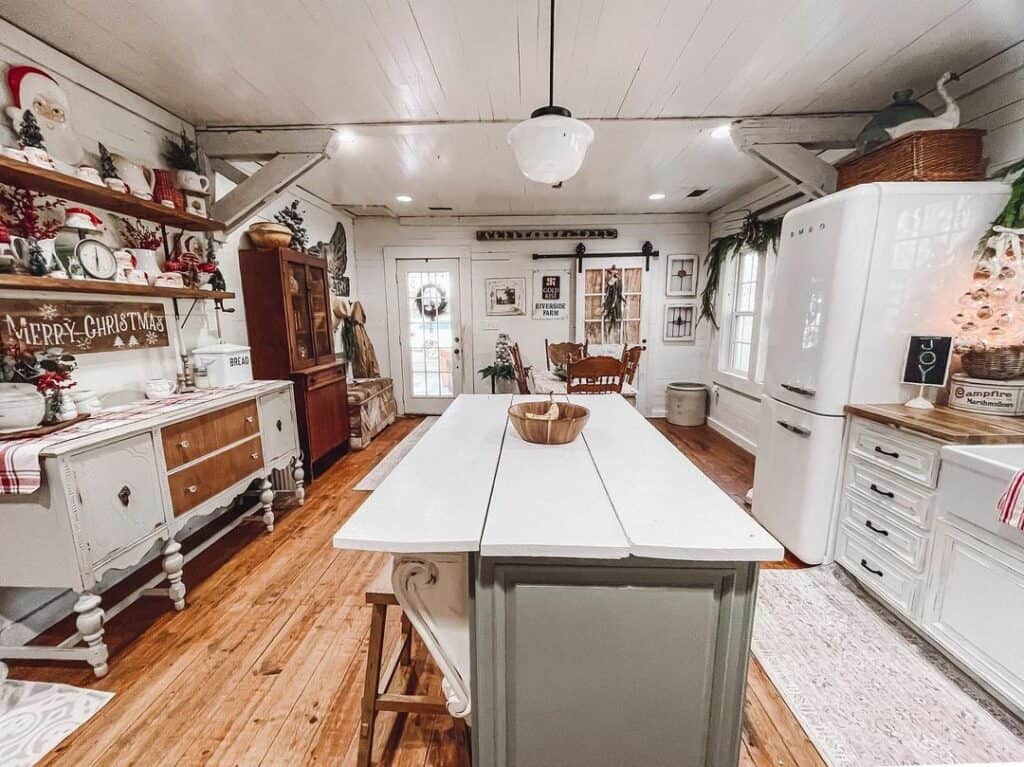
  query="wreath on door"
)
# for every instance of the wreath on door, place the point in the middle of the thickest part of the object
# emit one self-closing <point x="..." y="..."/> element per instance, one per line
<point x="431" y="301"/>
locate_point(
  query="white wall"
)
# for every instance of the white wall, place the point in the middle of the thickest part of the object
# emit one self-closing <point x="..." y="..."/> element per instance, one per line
<point x="102" y="111"/>
<point x="990" y="98"/>
<point x="661" y="364"/>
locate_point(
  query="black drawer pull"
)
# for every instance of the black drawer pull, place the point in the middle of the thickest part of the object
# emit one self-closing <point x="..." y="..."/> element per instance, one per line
<point x="864" y="564"/>
<point x="125" y="495"/>
<point x="886" y="493"/>
<point x="886" y="452"/>
<point x="279" y="425"/>
<point x="874" y="529"/>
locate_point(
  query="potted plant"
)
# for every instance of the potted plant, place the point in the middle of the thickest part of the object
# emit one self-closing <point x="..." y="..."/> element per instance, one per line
<point x="33" y="386"/>
<point x="183" y="156"/>
<point x="501" y="369"/>
<point x="33" y="217"/>
<point x="143" y="241"/>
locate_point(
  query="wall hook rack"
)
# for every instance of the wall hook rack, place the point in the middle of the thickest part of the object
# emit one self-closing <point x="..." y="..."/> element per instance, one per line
<point x="647" y="252"/>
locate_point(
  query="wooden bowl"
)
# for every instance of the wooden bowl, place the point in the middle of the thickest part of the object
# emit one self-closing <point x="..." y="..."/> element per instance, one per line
<point x="567" y="427"/>
<point x="265" y="235"/>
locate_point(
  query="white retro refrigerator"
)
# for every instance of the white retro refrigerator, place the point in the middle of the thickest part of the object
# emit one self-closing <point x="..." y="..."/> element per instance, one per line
<point x="858" y="272"/>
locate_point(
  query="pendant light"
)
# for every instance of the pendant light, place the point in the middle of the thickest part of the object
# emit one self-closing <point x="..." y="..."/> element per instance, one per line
<point x="551" y="145"/>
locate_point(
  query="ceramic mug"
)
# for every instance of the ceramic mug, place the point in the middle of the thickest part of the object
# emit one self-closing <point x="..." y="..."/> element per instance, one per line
<point x="169" y="280"/>
<point x="22" y="247"/>
<point x="191" y="181"/>
<point x="116" y="185"/>
<point x="14" y="153"/>
<point x="159" y="387"/>
<point x="90" y="174"/>
<point x="135" y="277"/>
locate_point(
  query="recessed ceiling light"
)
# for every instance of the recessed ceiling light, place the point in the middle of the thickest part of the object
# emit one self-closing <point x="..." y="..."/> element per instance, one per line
<point x="656" y="196"/>
<point x="403" y="198"/>
<point x="345" y="136"/>
<point x="722" y="131"/>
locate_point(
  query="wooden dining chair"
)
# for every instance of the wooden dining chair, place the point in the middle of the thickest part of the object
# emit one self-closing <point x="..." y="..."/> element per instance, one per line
<point x="631" y="359"/>
<point x="520" y="370"/>
<point x="560" y="354"/>
<point x="595" y="375"/>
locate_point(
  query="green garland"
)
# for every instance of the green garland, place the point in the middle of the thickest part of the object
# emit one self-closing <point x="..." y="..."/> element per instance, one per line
<point x="1012" y="214"/>
<point x="755" y="234"/>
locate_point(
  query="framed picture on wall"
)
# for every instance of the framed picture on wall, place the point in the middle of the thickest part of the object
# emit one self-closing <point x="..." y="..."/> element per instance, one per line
<point x="681" y="275"/>
<point x="680" y="322"/>
<point x="506" y="296"/>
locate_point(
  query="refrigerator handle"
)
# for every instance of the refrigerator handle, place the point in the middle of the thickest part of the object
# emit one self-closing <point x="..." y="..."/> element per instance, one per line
<point x="799" y="390"/>
<point x="795" y="429"/>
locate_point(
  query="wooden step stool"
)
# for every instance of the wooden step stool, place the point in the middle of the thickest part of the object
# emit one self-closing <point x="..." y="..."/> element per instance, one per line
<point x="376" y="697"/>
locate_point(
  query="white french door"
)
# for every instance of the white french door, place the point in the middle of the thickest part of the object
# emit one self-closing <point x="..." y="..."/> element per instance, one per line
<point x="429" y="333"/>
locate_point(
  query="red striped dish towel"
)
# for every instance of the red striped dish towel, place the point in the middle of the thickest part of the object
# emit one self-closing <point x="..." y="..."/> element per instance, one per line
<point x="1011" y="504"/>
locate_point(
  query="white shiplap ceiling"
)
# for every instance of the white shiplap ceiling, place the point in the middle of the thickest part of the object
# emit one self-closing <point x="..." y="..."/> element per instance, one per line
<point x="379" y="65"/>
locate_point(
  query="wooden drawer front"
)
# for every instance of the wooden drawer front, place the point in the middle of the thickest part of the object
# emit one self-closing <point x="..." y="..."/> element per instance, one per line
<point x="886" y="533"/>
<point x="327" y="376"/>
<point x="196" y="437"/>
<point x="120" y="494"/>
<point x="877" y="570"/>
<point x="908" y="501"/>
<point x="908" y="456"/>
<point x="277" y="425"/>
<point x="195" y="484"/>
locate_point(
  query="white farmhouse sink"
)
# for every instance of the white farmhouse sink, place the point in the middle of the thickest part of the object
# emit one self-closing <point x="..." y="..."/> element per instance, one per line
<point x="972" y="480"/>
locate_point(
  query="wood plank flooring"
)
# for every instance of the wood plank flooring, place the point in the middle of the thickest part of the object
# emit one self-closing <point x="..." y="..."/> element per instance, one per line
<point x="265" y="665"/>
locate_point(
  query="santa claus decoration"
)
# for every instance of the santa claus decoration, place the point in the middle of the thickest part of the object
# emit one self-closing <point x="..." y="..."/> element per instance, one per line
<point x="35" y="91"/>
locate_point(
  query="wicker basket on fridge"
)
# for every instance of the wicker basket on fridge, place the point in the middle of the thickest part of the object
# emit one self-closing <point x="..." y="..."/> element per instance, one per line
<point x="938" y="155"/>
<point x="1000" y="363"/>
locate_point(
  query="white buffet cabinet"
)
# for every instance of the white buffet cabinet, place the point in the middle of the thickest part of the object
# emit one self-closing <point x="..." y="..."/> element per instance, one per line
<point x="920" y="531"/>
<point x="113" y="498"/>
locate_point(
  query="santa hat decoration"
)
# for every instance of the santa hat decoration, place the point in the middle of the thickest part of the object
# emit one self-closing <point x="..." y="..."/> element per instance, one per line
<point x="80" y="218"/>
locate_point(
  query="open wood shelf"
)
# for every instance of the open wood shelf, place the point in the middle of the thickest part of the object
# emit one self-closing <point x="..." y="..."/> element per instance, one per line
<point x="104" y="287"/>
<point x="51" y="182"/>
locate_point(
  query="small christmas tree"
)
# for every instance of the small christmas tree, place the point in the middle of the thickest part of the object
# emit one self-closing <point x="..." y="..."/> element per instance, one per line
<point x="183" y="154"/>
<point x="29" y="134"/>
<point x="292" y="218"/>
<point x="36" y="260"/>
<point x="107" y="169"/>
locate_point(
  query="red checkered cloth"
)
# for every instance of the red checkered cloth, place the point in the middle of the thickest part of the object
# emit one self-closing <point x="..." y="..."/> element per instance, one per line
<point x="20" y="470"/>
<point x="1011" y="504"/>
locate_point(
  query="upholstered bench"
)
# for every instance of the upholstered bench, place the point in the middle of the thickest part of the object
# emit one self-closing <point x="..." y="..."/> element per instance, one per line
<point x="371" y="407"/>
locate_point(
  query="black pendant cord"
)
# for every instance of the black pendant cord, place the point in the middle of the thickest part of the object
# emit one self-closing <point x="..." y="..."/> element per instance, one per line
<point x="551" y="59"/>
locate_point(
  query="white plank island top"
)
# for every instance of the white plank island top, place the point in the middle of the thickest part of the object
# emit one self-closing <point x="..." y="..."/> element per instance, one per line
<point x="473" y="485"/>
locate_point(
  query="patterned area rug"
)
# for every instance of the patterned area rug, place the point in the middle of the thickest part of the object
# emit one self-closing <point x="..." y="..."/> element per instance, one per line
<point x="377" y="474"/>
<point x="36" y="716"/>
<point x="869" y="691"/>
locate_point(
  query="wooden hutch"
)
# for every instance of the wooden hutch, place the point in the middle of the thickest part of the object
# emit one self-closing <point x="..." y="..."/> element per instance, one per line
<point x="288" y="314"/>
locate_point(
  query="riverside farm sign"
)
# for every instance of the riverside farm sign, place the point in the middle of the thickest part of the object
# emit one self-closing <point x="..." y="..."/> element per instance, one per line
<point x="81" y="327"/>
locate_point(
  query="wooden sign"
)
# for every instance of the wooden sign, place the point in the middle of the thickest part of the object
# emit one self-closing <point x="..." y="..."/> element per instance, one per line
<point x="81" y="327"/>
<point x="927" y="360"/>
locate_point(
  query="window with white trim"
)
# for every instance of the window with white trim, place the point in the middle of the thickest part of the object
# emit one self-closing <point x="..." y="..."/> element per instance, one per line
<point x="744" y="310"/>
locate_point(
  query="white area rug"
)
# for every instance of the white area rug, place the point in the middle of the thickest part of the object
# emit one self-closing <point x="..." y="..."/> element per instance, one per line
<point x="869" y="691"/>
<point x="372" y="480"/>
<point x="36" y="716"/>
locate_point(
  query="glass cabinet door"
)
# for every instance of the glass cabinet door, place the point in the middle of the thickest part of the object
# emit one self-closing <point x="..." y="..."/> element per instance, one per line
<point x="320" y="314"/>
<point x="303" y="350"/>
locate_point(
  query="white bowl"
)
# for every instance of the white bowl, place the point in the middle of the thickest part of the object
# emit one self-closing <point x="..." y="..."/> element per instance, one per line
<point x="21" y="407"/>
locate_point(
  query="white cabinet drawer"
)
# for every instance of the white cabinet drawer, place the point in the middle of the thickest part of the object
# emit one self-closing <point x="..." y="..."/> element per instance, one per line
<point x="877" y="570"/>
<point x="973" y="606"/>
<point x="119" y="495"/>
<point x="277" y="425"/>
<point x="907" y="545"/>
<point x="909" y="456"/>
<point x="907" y="501"/>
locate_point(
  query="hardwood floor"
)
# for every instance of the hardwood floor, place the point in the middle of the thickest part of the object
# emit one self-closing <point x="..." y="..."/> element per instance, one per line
<point x="265" y="665"/>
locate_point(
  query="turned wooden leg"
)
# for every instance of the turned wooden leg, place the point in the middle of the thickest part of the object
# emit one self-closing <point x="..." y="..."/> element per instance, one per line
<point x="90" y="625"/>
<point x="299" y="475"/>
<point x="173" y="564"/>
<point x="372" y="679"/>
<point x="267" y="499"/>
<point x="406" y="657"/>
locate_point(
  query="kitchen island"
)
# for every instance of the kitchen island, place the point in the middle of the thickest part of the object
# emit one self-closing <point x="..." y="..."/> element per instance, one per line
<point x="587" y="604"/>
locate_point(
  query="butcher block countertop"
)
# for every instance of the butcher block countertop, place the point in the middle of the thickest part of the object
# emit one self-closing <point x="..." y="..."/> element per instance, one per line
<point x="473" y="485"/>
<point x="946" y="424"/>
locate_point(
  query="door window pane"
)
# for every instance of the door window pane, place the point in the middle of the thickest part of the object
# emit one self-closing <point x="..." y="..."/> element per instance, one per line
<point x="430" y="334"/>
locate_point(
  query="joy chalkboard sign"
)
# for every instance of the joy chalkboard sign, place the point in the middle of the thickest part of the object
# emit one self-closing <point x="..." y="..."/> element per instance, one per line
<point x="927" y="360"/>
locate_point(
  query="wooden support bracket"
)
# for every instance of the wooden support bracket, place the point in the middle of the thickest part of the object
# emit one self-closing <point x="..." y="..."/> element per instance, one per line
<point x="262" y="187"/>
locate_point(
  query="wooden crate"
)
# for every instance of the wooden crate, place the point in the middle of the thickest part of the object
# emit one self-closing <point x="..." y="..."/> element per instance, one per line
<point x="943" y="155"/>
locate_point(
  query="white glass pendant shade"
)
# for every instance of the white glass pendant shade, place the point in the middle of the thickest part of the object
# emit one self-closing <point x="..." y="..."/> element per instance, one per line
<point x="550" y="148"/>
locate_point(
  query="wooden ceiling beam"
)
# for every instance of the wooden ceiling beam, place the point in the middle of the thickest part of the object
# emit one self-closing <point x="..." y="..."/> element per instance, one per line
<point x="263" y="186"/>
<point x="261" y="144"/>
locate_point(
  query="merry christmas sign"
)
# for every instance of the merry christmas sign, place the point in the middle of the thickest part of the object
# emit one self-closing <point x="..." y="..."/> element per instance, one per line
<point x="81" y="327"/>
